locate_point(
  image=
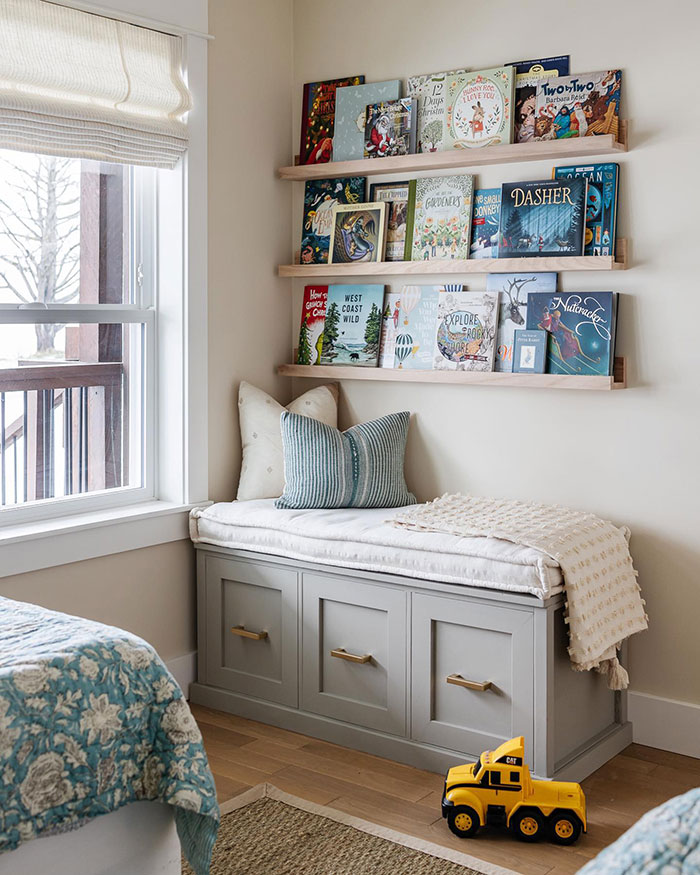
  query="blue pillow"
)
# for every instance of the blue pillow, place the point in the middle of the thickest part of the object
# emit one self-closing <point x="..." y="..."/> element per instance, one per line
<point x="360" y="467"/>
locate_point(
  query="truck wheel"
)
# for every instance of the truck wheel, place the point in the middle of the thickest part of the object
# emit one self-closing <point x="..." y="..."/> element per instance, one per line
<point x="463" y="821"/>
<point x="564" y="828"/>
<point x="528" y="825"/>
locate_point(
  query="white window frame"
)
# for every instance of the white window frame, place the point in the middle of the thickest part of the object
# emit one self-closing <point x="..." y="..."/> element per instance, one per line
<point x="56" y="531"/>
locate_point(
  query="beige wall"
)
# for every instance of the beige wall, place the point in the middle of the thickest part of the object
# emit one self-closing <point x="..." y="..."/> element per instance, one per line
<point x="630" y="456"/>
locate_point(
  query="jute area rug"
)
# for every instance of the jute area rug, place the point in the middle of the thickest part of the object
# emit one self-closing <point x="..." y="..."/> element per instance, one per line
<point x="265" y="831"/>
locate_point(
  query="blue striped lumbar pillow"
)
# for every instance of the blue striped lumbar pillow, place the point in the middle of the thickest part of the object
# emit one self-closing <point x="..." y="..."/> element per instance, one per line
<point x="360" y="467"/>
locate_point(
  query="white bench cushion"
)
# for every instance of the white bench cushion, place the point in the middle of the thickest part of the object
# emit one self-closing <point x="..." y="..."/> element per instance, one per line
<point x="361" y="538"/>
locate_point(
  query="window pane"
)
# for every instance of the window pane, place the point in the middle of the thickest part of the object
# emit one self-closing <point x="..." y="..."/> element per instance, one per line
<point x="64" y="230"/>
<point x="70" y="409"/>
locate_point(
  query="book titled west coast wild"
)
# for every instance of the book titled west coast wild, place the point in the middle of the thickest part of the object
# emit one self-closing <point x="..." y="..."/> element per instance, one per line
<point x="353" y="325"/>
<point x="358" y="233"/>
<point x="479" y="109"/>
<point x="542" y="218"/>
<point x="318" y="119"/>
<point x="439" y="218"/>
<point x="465" y="337"/>
<point x="320" y="196"/>
<point x="313" y="314"/>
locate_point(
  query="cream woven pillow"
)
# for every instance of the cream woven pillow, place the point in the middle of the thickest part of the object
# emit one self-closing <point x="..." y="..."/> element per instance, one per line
<point x="262" y="467"/>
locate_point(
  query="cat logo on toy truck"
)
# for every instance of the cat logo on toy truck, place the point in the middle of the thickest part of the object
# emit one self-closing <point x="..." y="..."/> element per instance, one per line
<point x="498" y="790"/>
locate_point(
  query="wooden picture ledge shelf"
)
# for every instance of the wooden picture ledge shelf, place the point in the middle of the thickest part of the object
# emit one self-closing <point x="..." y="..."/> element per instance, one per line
<point x="456" y="159"/>
<point x="466" y="378"/>
<point x="461" y="266"/>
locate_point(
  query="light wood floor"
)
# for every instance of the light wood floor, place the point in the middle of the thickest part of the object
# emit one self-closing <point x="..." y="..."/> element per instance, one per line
<point x="243" y="753"/>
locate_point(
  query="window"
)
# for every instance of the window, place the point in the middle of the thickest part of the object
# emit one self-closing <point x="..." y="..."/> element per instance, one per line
<point x="514" y="777"/>
<point x="77" y="331"/>
<point x="495" y="778"/>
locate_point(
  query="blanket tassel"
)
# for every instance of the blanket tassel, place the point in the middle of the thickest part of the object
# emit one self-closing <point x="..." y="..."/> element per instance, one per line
<point x="618" y="679"/>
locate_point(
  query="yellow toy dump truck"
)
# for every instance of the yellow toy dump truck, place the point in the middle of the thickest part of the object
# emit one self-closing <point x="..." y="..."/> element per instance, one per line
<point x="498" y="790"/>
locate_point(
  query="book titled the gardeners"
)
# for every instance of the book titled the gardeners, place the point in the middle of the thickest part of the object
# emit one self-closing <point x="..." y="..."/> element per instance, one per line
<point x="353" y="325"/>
<point x="439" y="218"/>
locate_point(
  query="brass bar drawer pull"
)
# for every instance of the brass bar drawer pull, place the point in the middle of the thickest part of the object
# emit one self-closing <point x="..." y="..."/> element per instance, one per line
<point x="459" y="681"/>
<point x="351" y="657"/>
<point x="242" y="632"/>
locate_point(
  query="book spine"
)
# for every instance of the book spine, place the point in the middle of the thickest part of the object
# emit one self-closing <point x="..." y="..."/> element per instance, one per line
<point x="410" y="219"/>
<point x="304" y="123"/>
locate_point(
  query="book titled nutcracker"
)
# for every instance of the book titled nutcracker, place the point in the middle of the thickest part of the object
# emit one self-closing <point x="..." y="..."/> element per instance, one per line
<point x="318" y="119"/>
<point x="465" y="336"/>
<point x="479" y="109"/>
<point x="313" y="314"/>
<point x="439" y="218"/>
<point x="390" y="128"/>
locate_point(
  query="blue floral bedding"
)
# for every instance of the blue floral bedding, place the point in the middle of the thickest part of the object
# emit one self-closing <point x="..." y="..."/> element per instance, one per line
<point x="91" y="719"/>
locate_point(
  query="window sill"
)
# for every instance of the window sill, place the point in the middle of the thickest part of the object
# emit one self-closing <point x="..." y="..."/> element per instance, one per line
<point x="32" y="546"/>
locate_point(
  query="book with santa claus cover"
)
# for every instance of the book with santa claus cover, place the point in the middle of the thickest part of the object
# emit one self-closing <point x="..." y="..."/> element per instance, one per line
<point x="390" y="128"/>
<point x="318" y="119"/>
<point x="313" y="316"/>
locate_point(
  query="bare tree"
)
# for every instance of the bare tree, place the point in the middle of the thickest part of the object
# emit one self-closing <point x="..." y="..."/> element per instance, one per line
<point x="39" y="234"/>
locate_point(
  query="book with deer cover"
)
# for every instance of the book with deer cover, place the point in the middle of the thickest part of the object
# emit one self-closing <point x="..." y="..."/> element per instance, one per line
<point x="513" y="289"/>
<point x="581" y="327"/>
<point x="353" y="325"/>
<point x="320" y="196"/>
<point x="542" y="218"/>
<point x="601" y="204"/>
<point x="318" y="119"/>
<point x="390" y="128"/>
<point x="479" y="109"/>
<point x="390" y="321"/>
<point x="430" y="91"/>
<point x="313" y="315"/>
<point x="578" y="106"/>
<point x="465" y="336"/>
<point x="414" y="318"/>
<point x="439" y="218"/>
<point x="485" y="221"/>
<point x="528" y="75"/>
<point x="351" y="112"/>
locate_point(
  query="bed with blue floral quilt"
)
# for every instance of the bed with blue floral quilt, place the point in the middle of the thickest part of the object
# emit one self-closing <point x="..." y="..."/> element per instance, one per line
<point x="91" y="720"/>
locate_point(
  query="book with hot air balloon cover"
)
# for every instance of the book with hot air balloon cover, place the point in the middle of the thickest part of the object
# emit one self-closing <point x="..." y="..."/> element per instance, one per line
<point x="465" y="331"/>
<point x="414" y="323"/>
<point x="390" y="321"/>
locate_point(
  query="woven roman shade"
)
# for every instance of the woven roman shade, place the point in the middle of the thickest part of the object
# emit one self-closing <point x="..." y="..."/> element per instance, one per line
<point x="79" y="85"/>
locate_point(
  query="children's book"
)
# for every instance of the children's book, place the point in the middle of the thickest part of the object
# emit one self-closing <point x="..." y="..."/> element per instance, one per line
<point x="414" y="320"/>
<point x="581" y="327"/>
<point x="439" y="218"/>
<point x="390" y="320"/>
<point x="353" y="326"/>
<point x="430" y="91"/>
<point x="313" y="314"/>
<point x="358" y="232"/>
<point x="542" y="218"/>
<point x="351" y="113"/>
<point x="318" y="119"/>
<point x="479" y="108"/>
<point x="530" y="352"/>
<point x="578" y="106"/>
<point x="320" y="196"/>
<point x="513" y="289"/>
<point x="465" y="337"/>
<point x="395" y="195"/>
<point x="485" y="220"/>
<point x="390" y="128"/>
<point x="528" y="75"/>
<point x="601" y="204"/>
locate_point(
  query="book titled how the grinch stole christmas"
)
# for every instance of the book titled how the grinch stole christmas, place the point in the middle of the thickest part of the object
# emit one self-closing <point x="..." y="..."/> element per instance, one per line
<point x="318" y="119"/>
<point x="313" y="314"/>
<point x="439" y="218"/>
<point x="353" y="325"/>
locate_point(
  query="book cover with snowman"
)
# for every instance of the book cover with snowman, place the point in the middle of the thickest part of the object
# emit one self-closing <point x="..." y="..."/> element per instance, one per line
<point x="353" y="325"/>
<point x="465" y="332"/>
<point x="479" y="109"/>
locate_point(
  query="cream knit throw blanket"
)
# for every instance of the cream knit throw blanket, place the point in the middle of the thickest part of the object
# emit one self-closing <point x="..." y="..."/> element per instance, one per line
<point x="604" y="605"/>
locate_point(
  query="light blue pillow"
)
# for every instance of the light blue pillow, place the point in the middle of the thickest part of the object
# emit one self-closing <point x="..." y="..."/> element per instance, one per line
<point x="360" y="467"/>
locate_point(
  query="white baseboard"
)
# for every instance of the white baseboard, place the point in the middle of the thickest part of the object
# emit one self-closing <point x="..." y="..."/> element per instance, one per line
<point x="665" y="723"/>
<point x="184" y="670"/>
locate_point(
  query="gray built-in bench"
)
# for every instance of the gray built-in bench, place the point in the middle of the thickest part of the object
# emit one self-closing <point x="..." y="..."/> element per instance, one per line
<point x="421" y="671"/>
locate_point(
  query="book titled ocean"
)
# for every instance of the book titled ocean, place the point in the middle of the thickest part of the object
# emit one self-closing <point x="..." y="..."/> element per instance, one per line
<point x="390" y="128"/>
<point x="353" y="325"/>
<point x="485" y="221"/>
<point x="601" y="205"/>
<point x="313" y="314"/>
<point x="479" y="109"/>
<point x="542" y="218"/>
<point x="320" y="196"/>
<point x="318" y="119"/>
<point x="581" y="327"/>
<point x="414" y="320"/>
<point x="528" y="75"/>
<point x="578" y="106"/>
<point x="439" y="218"/>
<point x="513" y="289"/>
<point x="350" y="114"/>
<point x="430" y="91"/>
<point x="465" y="336"/>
